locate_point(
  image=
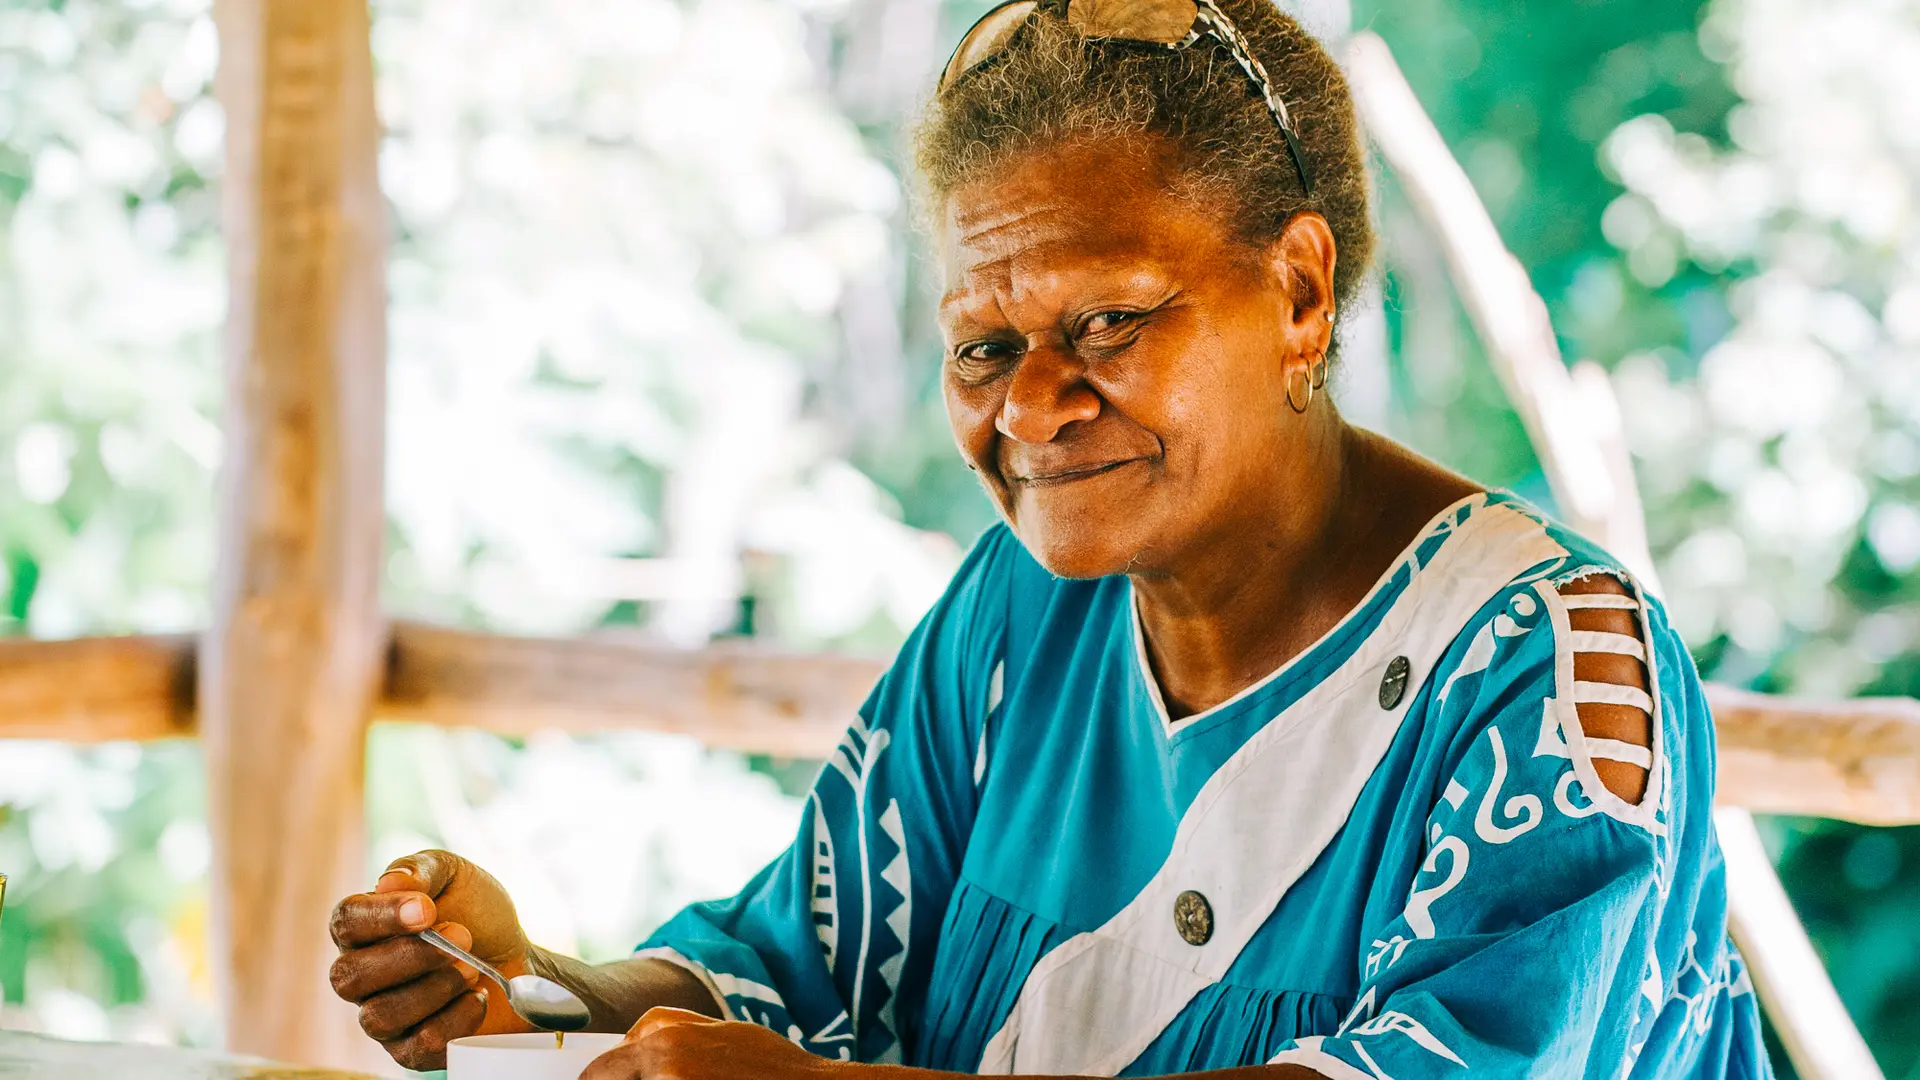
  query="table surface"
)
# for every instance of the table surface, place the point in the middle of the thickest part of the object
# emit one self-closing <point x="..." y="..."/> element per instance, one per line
<point x="36" y="1057"/>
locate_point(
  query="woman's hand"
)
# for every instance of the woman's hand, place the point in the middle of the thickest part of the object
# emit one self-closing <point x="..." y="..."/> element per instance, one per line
<point x="668" y="1044"/>
<point x="413" y="998"/>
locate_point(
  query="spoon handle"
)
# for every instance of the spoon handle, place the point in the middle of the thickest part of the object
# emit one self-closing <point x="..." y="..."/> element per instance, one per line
<point x="433" y="938"/>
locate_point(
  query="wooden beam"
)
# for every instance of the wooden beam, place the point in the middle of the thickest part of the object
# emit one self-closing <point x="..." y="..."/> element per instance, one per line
<point x="97" y="689"/>
<point x="737" y="696"/>
<point x="1856" y="760"/>
<point x="740" y="697"/>
<point x="293" y="663"/>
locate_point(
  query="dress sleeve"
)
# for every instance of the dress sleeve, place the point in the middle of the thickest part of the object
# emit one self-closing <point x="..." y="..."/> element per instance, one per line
<point x="1526" y="947"/>
<point x="831" y="945"/>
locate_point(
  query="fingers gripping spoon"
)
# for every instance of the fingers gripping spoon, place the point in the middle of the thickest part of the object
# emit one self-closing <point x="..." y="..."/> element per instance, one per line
<point x="541" y="1002"/>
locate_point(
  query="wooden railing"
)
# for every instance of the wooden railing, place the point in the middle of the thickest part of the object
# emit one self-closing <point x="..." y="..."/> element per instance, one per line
<point x="1856" y="760"/>
<point x="299" y="659"/>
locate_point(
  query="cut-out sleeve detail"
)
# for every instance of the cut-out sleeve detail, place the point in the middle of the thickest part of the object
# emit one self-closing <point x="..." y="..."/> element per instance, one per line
<point x="1615" y="750"/>
<point x="1602" y="641"/>
<point x="1611" y="686"/>
<point x="1603" y="693"/>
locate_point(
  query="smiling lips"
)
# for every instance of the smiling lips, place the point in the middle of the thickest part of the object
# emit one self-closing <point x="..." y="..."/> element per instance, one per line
<point x="1056" y="477"/>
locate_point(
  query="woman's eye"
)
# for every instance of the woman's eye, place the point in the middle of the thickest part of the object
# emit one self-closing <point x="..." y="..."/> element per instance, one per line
<point x="983" y="350"/>
<point x="982" y="362"/>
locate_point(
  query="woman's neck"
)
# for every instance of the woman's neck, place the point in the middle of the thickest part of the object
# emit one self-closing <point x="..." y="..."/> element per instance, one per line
<point x="1265" y="589"/>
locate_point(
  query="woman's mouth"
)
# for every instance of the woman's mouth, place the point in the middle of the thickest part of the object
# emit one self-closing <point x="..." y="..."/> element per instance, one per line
<point x="1057" y="477"/>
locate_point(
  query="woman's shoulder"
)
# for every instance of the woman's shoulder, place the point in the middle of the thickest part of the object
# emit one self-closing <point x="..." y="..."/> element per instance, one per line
<point x="1570" y="564"/>
<point x="1572" y="667"/>
<point x="1582" y="576"/>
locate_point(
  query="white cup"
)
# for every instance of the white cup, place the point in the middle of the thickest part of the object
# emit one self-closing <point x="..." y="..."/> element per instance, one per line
<point x="525" y="1057"/>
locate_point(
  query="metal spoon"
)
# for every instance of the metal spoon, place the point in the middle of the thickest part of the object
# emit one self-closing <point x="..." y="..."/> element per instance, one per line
<point x="541" y="1002"/>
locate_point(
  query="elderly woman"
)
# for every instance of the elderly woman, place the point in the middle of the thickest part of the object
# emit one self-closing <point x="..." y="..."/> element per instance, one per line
<point x="1252" y="741"/>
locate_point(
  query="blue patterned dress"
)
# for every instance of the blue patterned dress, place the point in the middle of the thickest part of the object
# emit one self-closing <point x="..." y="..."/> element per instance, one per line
<point x="1390" y="858"/>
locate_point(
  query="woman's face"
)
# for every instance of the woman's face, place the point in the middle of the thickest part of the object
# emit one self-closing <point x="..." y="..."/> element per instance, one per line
<point x="1117" y="362"/>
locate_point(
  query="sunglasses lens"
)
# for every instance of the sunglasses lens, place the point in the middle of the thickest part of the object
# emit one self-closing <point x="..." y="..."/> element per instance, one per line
<point x="987" y="38"/>
<point x="1162" y="21"/>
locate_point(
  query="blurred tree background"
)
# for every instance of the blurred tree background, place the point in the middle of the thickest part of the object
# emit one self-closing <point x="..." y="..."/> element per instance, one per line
<point x="664" y="364"/>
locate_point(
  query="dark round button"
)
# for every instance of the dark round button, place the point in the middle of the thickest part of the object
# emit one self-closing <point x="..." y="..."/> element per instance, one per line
<point x="1393" y="686"/>
<point x="1193" y="917"/>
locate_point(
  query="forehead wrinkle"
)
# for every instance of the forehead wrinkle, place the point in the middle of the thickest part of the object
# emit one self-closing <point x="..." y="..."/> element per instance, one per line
<point x="1053" y="259"/>
<point x="982" y="222"/>
<point x="1007" y="252"/>
<point x="1061" y="269"/>
<point x="993" y="247"/>
<point x="990" y="249"/>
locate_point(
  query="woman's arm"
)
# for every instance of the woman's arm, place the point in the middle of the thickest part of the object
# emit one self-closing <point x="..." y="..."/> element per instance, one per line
<point x="671" y="1045"/>
<point x="833" y="943"/>
<point x="823" y="929"/>
<point x="1251" y="1072"/>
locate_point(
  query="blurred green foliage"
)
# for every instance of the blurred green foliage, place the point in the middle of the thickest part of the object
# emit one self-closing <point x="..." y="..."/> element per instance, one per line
<point x="1524" y="96"/>
<point x="1716" y="199"/>
<point x="111" y="294"/>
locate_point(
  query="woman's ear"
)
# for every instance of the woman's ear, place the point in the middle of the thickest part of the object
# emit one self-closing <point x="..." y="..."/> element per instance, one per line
<point x="1303" y="257"/>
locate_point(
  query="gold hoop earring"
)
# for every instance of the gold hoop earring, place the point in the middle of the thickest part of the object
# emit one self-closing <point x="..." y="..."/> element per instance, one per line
<point x="1317" y="373"/>
<point x="1305" y="377"/>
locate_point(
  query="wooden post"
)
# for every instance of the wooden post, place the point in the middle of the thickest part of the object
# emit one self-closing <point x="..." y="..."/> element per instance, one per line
<point x="290" y="668"/>
<point x="1819" y="1035"/>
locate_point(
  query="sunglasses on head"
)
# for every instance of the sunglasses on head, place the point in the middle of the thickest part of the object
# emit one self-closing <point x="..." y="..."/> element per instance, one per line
<point x="1172" y="25"/>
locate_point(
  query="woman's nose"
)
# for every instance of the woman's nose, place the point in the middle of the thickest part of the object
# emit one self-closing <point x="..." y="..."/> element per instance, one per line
<point x="1048" y="391"/>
